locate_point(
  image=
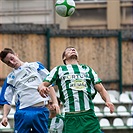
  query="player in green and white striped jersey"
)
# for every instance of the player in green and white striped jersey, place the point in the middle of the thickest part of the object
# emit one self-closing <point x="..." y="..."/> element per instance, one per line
<point x="56" y="122"/>
<point x="76" y="83"/>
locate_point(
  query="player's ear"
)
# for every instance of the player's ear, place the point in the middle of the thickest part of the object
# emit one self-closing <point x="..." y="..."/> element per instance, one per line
<point x="64" y="58"/>
<point x="16" y="54"/>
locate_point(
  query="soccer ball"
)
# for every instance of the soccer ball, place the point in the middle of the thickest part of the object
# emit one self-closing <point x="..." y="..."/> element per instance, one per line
<point x="65" y="8"/>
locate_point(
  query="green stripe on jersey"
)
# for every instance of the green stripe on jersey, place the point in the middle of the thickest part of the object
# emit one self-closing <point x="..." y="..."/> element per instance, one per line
<point x="69" y="91"/>
<point x="80" y="93"/>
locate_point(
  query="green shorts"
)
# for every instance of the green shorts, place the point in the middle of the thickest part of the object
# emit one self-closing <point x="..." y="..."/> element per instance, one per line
<point x="82" y="122"/>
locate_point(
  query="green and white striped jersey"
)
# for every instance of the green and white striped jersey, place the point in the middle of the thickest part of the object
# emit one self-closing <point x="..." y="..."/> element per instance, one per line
<point x="56" y="124"/>
<point x="76" y="86"/>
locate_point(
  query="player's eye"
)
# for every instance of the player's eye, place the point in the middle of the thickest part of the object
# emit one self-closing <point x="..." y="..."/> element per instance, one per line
<point x="12" y="58"/>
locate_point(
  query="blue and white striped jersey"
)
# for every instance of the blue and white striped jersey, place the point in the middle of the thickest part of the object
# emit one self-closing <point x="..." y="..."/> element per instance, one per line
<point x="23" y="83"/>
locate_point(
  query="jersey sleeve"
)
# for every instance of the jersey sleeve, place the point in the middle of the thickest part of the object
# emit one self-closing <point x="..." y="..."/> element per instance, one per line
<point x="6" y="94"/>
<point x="42" y="70"/>
<point x="52" y="76"/>
<point x="94" y="77"/>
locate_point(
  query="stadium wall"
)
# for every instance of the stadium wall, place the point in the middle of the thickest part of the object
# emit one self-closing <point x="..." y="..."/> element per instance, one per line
<point x="108" y="52"/>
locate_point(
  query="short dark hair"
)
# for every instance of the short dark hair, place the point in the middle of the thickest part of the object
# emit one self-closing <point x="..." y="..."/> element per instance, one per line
<point x="63" y="54"/>
<point x="4" y="53"/>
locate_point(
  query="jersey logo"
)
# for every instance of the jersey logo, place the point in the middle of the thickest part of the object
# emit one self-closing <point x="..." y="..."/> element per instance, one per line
<point x="78" y="85"/>
<point x="31" y="79"/>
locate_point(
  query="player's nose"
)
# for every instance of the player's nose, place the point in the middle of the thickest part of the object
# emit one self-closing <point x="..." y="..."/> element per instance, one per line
<point x="12" y="62"/>
<point x="72" y="49"/>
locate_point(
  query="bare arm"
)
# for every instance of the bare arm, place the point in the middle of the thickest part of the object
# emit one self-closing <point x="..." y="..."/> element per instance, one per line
<point x="44" y="90"/>
<point x="6" y="110"/>
<point x="105" y="96"/>
<point x="54" y="100"/>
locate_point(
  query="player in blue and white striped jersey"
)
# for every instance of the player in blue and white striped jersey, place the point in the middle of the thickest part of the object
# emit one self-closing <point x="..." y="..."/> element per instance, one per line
<point x="76" y="82"/>
<point x="23" y="81"/>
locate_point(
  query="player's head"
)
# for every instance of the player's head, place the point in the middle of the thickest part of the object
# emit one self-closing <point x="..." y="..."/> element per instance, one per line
<point x="69" y="53"/>
<point x="10" y="58"/>
<point x="4" y="53"/>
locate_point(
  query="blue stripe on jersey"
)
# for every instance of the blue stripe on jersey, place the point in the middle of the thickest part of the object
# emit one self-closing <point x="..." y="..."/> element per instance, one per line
<point x="41" y="66"/>
<point x="2" y="99"/>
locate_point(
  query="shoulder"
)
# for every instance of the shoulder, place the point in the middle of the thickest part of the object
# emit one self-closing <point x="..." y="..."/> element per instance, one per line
<point x="85" y="66"/>
<point x="11" y="75"/>
<point x="57" y="67"/>
<point x="37" y="64"/>
<point x="33" y="63"/>
<point x="60" y="68"/>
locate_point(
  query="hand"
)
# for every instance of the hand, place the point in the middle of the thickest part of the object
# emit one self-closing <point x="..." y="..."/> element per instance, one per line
<point x="43" y="90"/>
<point x="110" y="106"/>
<point x="57" y="108"/>
<point x="4" y="121"/>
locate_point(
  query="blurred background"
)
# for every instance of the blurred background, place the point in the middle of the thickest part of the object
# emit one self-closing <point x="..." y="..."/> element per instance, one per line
<point x="101" y="31"/>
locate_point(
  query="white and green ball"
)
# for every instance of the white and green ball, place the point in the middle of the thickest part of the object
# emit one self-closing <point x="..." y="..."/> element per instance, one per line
<point x="65" y="8"/>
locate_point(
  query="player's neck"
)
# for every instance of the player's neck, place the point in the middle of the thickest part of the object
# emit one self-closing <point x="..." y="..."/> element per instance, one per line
<point x="72" y="62"/>
<point x="22" y="63"/>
